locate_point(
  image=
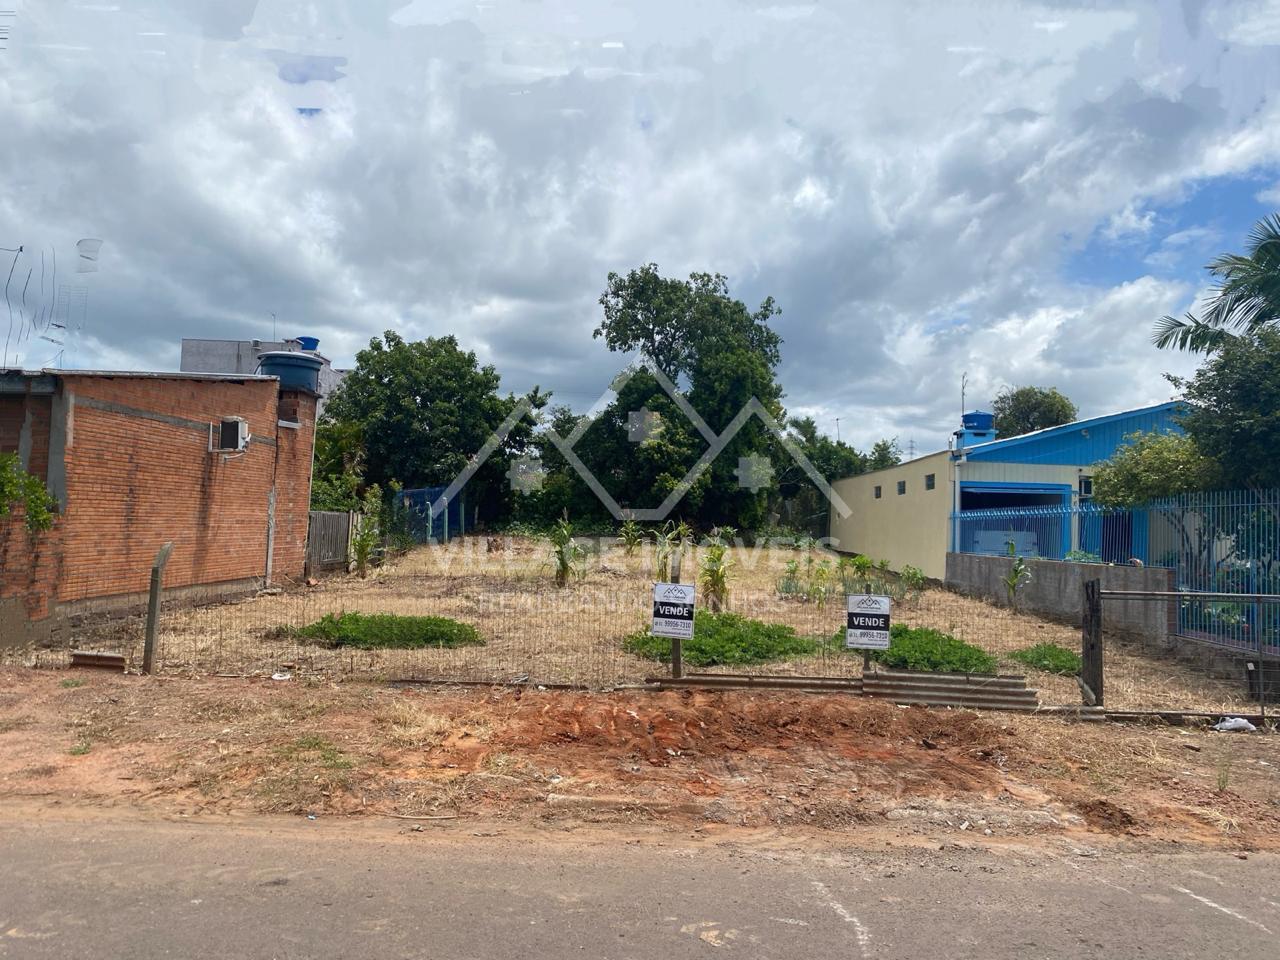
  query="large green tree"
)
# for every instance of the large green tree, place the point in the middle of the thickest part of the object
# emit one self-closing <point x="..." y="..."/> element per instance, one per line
<point x="1234" y="409"/>
<point x="424" y="409"/>
<point x="1020" y="410"/>
<point x="672" y="323"/>
<point x="884" y="454"/>
<point x="724" y="354"/>
<point x="1246" y="297"/>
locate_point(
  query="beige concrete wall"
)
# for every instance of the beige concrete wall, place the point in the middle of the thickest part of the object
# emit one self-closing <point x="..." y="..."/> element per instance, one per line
<point x="915" y="527"/>
<point x="908" y="528"/>
<point x="981" y="471"/>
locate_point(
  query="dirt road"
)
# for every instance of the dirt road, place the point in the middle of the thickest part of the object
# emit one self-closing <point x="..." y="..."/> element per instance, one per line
<point x="96" y="886"/>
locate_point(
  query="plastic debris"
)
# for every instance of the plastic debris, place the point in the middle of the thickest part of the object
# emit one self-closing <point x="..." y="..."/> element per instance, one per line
<point x="1235" y="723"/>
<point x="282" y="676"/>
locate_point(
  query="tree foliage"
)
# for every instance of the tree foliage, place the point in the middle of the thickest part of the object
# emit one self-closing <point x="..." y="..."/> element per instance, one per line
<point x="1234" y="415"/>
<point x="1020" y="410"/>
<point x="1153" y="465"/>
<point x="884" y="453"/>
<point x="18" y="487"/>
<point x="423" y="409"/>
<point x="1245" y="300"/>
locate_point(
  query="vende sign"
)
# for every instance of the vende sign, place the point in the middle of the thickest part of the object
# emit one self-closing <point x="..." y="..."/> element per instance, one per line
<point x="867" y="621"/>
<point x="673" y="610"/>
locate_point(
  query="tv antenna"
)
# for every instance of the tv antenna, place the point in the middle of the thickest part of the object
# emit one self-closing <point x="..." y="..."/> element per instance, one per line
<point x="964" y="385"/>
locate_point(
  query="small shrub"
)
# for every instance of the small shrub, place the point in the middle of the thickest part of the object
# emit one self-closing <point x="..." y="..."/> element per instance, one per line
<point x="368" y="530"/>
<point x="725" y="638"/>
<point x="789" y="584"/>
<point x="1084" y="556"/>
<point x="81" y="748"/>
<point x="378" y="630"/>
<point x="920" y="648"/>
<point x="1049" y="657"/>
<point x="73" y="682"/>
<point x="912" y="580"/>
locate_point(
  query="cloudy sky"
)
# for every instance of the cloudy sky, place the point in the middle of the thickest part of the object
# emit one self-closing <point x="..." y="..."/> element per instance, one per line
<point x="1012" y="190"/>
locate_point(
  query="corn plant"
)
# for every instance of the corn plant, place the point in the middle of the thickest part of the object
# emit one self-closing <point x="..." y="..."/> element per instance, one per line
<point x="567" y="555"/>
<point x="713" y="578"/>
<point x="665" y="543"/>
<point x="631" y="536"/>
<point x="819" y="587"/>
<point x="1014" y="580"/>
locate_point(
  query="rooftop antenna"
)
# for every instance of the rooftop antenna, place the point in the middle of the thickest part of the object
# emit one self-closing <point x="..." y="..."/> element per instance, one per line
<point x="964" y="385"/>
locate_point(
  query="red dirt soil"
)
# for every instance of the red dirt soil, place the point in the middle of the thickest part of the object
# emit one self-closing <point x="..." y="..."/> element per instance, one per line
<point x="707" y="760"/>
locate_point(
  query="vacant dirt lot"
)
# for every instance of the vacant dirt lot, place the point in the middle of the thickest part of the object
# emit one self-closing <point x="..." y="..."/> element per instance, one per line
<point x="710" y="761"/>
<point x="575" y="635"/>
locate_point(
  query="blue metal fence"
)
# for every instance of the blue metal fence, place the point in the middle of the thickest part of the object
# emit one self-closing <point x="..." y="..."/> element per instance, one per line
<point x="1219" y="542"/>
<point x="413" y="509"/>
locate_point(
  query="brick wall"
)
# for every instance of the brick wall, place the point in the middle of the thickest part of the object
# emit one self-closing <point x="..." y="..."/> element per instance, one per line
<point x="29" y="571"/>
<point x="139" y="472"/>
<point x="33" y="413"/>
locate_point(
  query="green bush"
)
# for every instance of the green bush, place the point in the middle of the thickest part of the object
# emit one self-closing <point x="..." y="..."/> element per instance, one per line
<point x="1049" y="657"/>
<point x="375" y="630"/>
<point x="920" y="648"/>
<point x="725" y="638"/>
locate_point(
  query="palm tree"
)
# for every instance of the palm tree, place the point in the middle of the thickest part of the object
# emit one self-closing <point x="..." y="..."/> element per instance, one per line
<point x="1246" y="300"/>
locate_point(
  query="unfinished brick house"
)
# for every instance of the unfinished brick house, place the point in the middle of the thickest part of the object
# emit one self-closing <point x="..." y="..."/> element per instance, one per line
<point x="219" y="464"/>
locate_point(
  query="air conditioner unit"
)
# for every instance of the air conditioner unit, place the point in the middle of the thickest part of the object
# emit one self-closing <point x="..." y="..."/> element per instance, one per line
<point x="232" y="436"/>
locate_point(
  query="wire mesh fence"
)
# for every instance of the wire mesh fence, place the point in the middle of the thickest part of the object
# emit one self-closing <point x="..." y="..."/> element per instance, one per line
<point x="585" y="634"/>
<point x="1226" y="672"/>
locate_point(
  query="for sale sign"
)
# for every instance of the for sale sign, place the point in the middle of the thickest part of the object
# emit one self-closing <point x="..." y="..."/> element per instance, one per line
<point x="867" y="621"/>
<point x="673" y="610"/>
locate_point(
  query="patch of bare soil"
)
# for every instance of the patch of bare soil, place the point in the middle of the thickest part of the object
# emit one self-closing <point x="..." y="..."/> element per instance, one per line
<point x="707" y="760"/>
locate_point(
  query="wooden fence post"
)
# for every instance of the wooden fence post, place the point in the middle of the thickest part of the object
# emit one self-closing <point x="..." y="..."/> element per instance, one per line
<point x="1091" y="643"/>
<point x="153" y="607"/>
<point x="677" y="645"/>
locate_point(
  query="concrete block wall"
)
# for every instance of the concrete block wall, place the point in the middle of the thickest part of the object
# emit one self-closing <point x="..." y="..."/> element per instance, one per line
<point x="1056" y="589"/>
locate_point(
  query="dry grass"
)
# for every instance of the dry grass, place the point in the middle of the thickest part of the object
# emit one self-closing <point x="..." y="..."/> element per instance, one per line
<point x="574" y="635"/>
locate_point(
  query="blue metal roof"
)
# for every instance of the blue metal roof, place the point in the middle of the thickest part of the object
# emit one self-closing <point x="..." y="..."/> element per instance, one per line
<point x="1080" y="443"/>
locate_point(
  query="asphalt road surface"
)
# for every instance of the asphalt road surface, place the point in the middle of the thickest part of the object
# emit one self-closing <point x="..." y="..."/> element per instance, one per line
<point x="272" y="888"/>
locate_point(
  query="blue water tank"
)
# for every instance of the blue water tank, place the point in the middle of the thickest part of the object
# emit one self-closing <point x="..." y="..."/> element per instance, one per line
<point x="308" y="343"/>
<point x="295" y="370"/>
<point x="978" y="420"/>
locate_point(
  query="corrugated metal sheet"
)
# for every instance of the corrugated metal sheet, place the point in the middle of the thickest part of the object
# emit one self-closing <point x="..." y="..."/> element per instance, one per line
<point x="1083" y="442"/>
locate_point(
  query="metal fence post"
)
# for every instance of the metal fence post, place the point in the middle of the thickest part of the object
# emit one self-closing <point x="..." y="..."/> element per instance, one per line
<point x="1091" y="643"/>
<point x="153" y="607"/>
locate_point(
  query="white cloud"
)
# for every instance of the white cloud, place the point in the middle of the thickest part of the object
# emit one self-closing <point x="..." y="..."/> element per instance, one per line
<point x="1270" y="196"/>
<point x="1129" y="223"/>
<point x="477" y="169"/>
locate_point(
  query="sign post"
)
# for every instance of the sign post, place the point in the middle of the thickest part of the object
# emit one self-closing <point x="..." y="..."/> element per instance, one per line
<point x="673" y="605"/>
<point x="867" y="621"/>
